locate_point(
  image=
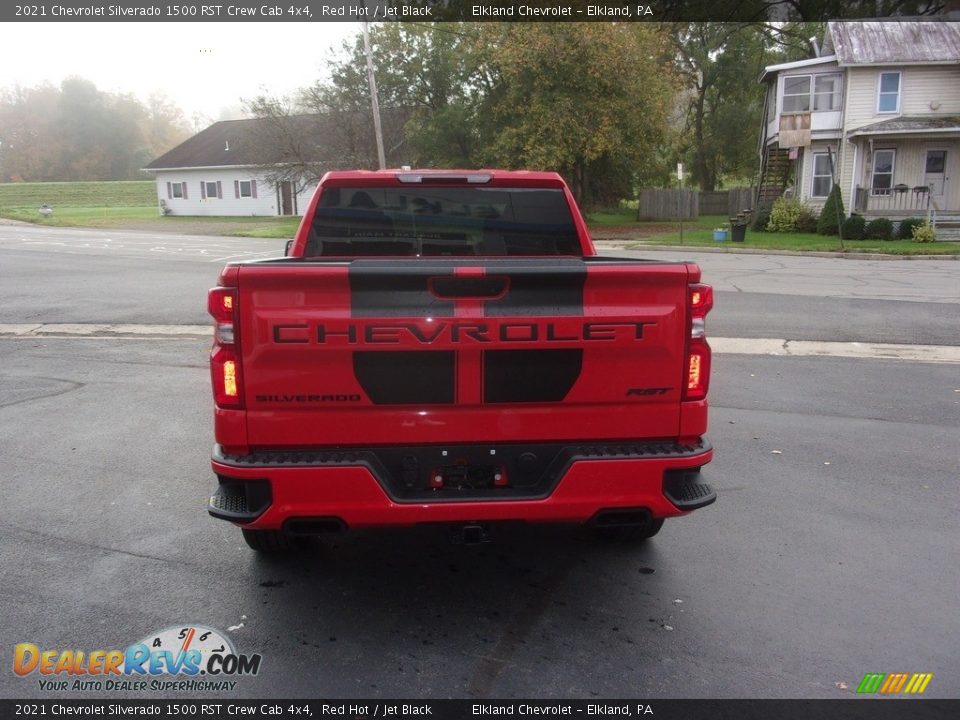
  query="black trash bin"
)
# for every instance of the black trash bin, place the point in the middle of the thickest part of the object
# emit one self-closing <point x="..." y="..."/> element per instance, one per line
<point x="738" y="231"/>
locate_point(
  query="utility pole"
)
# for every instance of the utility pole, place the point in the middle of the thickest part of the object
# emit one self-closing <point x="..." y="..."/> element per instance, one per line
<point x="680" y="199"/>
<point x="374" y="102"/>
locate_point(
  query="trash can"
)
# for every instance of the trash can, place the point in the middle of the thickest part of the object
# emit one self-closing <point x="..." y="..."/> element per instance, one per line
<point x="738" y="231"/>
<point x="720" y="234"/>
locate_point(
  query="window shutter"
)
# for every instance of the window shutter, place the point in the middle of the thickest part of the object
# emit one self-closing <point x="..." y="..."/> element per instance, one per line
<point x="253" y="189"/>
<point x="219" y="190"/>
<point x="236" y="189"/>
<point x="203" y="189"/>
<point x="169" y="192"/>
<point x="184" y="186"/>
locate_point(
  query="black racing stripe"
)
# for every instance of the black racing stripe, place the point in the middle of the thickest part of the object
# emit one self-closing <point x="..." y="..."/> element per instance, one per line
<point x="396" y="289"/>
<point x="549" y="289"/>
<point x="406" y="377"/>
<point x="518" y="376"/>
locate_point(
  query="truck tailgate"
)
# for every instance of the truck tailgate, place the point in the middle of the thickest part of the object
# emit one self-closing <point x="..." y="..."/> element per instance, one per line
<point x="436" y="350"/>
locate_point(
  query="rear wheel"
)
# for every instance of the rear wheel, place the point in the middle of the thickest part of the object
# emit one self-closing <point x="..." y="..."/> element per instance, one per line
<point x="270" y="541"/>
<point x="629" y="533"/>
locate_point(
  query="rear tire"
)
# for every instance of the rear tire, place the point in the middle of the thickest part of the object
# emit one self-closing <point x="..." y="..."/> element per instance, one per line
<point x="273" y="542"/>
<point x="636" y="533"/>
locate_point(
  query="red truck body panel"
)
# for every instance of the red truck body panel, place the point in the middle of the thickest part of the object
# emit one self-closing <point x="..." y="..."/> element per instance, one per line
<point x="452" y="384"/>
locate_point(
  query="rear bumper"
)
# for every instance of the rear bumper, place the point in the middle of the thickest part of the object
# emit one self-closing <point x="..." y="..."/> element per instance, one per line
<point x="361" y="488"/>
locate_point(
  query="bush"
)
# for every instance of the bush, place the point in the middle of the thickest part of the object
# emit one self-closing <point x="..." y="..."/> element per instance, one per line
<point x="879" y="229"/>
<point x="761" y="218"/>
<point x="905" y="231"/>
<point x="807" y="222"/>
<point x="784" y="215"/>
<point x="853" y="227"/>
<point x="924" y="233"/>
<point x="832" y="214"/>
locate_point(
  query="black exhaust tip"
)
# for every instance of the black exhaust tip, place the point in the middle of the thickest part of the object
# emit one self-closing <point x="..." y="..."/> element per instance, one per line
<point x="622" y="517"/>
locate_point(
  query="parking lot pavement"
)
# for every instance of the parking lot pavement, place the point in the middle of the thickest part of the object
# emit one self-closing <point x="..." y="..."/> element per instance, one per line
<point x="826" y="556"/>
<point x="136" y="244"/>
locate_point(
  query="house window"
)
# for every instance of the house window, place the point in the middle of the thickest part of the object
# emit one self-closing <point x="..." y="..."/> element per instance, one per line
<point x="245" y="190"/>
<point x="826" y="92"/>
<point x="801" y="93"/>
<point x="882" y="172"/>
<point x="888" y="96"/>
<point x="211" y="189"/>
<point x="177" y="190"/>
<point x="796" y="94"/>
<point x="822" y="175"/>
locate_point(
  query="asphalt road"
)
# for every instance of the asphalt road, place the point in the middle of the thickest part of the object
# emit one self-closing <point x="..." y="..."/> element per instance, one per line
<point x="136" y="277"/>
<point x="830" y="552"/>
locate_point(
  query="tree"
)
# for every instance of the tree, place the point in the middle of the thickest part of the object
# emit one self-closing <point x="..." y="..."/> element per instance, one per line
<point x="589" y="100"/>
<point x="832" y="215"/>
<point x="720" y="64"/>
<point x="77" y="132"/>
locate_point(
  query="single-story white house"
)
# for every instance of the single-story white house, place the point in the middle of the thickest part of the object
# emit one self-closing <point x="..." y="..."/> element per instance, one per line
<point x="222" y="171"/>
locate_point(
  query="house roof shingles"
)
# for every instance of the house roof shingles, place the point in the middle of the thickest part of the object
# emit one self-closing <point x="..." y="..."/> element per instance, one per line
<point x="893" y="42"/>
<point x="235" y="142"/>
<point x="911" y="124"/>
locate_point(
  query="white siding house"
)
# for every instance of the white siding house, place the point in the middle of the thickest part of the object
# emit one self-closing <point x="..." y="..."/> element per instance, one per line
<point x="878" y="112"/>
<point x="239" y="190"/>
<point x="221" y="171"/>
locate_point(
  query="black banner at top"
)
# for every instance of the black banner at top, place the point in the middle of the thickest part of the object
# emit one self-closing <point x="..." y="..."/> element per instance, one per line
<point x="468" y="10"/>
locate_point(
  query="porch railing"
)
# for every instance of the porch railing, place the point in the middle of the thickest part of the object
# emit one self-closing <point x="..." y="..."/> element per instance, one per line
<point x="898" y="199"/>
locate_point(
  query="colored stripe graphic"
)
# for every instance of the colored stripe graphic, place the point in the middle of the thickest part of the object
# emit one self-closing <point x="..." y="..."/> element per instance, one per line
<point x="894" y="683"/>
<point x="870" y="683"/>
<point x="907" y="683"/>
<point x="918" y="683"/>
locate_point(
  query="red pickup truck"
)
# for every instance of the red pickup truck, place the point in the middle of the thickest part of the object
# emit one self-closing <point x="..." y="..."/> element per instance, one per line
<point x="447" y="347"/>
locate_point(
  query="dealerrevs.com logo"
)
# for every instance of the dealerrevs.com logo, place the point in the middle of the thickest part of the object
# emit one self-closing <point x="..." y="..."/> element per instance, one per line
<point x="179" y="658"/>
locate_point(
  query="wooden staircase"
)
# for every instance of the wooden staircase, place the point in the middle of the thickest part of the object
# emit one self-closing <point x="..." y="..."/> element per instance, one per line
<point x="775" y="172"/>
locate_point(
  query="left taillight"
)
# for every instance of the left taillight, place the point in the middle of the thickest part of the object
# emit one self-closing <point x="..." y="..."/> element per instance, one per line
<point x="696" y="379"/>
<point x="225" y="355"/>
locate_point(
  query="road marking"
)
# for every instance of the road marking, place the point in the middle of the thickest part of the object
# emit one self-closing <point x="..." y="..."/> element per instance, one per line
<point x="720" y="345"/>
<point x="815" y="348"/>
<point x="100" y="331"/>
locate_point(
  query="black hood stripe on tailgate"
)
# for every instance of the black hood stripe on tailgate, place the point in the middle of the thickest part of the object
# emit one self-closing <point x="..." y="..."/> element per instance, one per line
<point x="401" y="377"/>
<point x="398" y="288"/>
<point x="519" y="376"/>
<point x="402" y="294"/>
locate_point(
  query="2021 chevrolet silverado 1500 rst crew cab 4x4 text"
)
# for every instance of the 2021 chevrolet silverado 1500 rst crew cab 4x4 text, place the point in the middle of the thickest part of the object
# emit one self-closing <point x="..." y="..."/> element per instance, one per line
<point x="447" y="347"/>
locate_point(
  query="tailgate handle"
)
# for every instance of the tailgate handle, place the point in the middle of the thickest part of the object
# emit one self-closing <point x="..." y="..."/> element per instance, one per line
<point x="488" y="286"/>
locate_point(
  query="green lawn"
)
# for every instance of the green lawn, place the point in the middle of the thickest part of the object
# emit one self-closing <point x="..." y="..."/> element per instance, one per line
<point x="700" y="233"/>
<point x="78" y="194"/>
<point x="69" y="216"/>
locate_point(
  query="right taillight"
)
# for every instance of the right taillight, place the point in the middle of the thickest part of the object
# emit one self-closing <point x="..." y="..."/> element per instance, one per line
<point x="224" y="357"/>
<point x="696" y="378"/>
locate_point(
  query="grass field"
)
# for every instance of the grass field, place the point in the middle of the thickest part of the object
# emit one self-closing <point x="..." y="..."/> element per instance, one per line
<point x="134" y="193"/>
<point x="700" y="233"/>
<point x="133" y="205"/>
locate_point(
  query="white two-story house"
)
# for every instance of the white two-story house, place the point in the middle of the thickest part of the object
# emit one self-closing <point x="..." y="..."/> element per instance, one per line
<point x="877" y="111"/>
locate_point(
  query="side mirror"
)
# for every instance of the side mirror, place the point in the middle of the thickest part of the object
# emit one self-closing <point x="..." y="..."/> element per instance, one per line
<point x="286" y="251"/>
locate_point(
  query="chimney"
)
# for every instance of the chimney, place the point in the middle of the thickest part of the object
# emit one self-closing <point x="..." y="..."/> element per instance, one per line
<point x="815" y="45"/>
<point x="226" y="145"/>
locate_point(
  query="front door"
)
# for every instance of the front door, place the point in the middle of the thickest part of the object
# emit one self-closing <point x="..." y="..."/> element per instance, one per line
<point x="285" y="189"/>
<point x="935" y="171"/>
